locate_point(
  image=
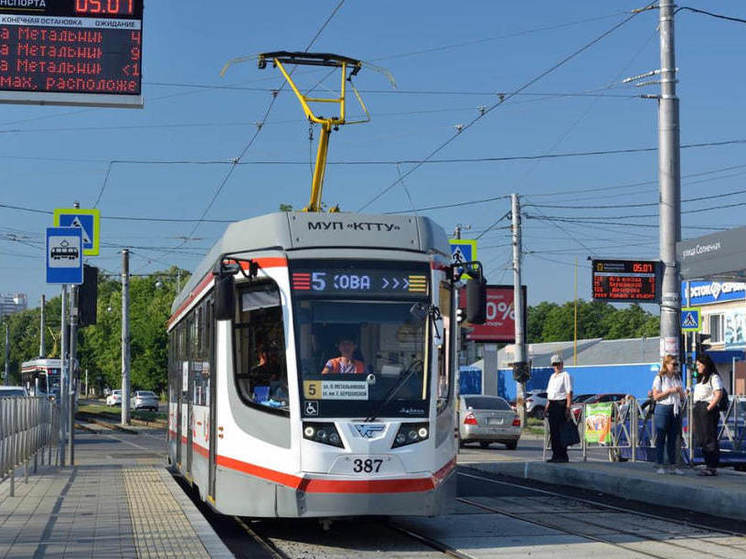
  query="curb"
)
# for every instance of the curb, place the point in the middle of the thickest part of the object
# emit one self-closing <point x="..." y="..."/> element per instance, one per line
<point x="92" y="419"/>
<point x="725" y="502"/>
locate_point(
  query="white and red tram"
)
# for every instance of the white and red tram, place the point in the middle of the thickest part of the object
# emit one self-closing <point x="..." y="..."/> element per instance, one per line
<point x="311" y="368"/>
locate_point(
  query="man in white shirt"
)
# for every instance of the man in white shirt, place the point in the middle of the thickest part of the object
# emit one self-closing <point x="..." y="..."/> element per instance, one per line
<point x="557" y="411"/>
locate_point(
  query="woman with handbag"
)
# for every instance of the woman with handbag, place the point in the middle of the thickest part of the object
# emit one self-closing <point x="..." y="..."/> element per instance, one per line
<point x="668" y="394"/>
<point x="707" y="394"/>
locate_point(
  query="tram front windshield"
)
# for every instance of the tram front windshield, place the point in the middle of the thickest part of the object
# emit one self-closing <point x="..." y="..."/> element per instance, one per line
<point x="361" y="342"/>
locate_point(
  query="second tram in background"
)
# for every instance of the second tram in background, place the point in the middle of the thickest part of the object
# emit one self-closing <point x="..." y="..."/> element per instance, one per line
<point x="311" y="367"/>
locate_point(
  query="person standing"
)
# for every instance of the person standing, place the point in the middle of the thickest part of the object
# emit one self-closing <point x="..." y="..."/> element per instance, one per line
<point x="707" y="394"/>
<point x="668" y="393"/>
<point x="557" y="410"/>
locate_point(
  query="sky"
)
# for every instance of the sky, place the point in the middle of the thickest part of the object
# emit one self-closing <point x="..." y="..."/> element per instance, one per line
<point x="442" y="130"/>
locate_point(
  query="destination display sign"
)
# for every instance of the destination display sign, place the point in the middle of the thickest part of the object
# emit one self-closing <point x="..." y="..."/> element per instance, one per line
<point x="71" y="52"/>
<point x="626" y="281"/>
<point x="320" y="279"/>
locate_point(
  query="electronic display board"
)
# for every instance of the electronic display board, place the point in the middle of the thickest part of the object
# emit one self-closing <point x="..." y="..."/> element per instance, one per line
<point x="324" y="278"/>
<point x="626" y="281"/>
<point x="71" y="52"/>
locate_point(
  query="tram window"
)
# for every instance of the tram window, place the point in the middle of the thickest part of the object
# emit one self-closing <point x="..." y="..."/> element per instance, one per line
<point x="200" y="357"/>
<point x="260" y="368"/>
<point x="377" y="343"/>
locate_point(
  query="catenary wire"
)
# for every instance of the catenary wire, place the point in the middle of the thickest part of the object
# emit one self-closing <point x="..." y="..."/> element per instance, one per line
<point x="500" y="102"/>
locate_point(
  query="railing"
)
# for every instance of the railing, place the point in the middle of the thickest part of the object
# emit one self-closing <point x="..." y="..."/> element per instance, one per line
<point x="631" y="433"/>
<point x="28" y="430"/>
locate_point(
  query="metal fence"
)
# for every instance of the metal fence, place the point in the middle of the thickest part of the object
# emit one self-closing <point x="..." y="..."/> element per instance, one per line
<point x="631" y="434"/>
<point x="29" y="429"/>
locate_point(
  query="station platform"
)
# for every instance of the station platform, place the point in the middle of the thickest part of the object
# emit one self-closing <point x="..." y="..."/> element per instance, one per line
<point x="723" y="495"/>
<point x="117" y="501"/>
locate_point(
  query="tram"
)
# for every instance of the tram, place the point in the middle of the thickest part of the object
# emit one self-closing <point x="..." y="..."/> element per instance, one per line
<point x="41" y="377"/>
<point x="312" y="357"/>
<point x="312" y="361"/>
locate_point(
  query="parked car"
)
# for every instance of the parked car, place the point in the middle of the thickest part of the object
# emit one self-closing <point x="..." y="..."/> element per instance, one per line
<point x="13" y="392"/>
<point x="146" y="400"/>
<point x="487" y="419"/>
<point x="536" y="401"/>
<point x="115" y="398"/>
<point x="581" y="398"/>
<point x="596" y="399"/>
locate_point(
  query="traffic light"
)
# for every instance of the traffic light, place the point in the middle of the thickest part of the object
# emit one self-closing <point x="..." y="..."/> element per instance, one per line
<point x="521" y="371"/>
<point x="459" y="315"/>
<point x="701" y="343"/>
<point x="88" y="296"/>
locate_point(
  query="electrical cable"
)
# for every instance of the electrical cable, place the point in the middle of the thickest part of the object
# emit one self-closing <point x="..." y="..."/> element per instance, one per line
<point x="711" y="14"/>
<point x="500" y="102"/>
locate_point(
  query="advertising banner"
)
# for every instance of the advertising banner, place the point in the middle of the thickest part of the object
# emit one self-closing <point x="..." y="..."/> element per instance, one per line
<point x="735" y="329"/>
<point x="598" y="422"/>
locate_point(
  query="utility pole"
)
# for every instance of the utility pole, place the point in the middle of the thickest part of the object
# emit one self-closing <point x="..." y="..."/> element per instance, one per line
<point x="73" y="368"/>
<point x="669" y="176"/>
<point x="42" y="345"/>
<point x="520" y="366"/>
<point x="7" y="354"/>
<point x="125" y="337"/>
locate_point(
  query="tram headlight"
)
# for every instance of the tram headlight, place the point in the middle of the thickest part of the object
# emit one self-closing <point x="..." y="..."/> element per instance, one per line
<point x="410" y="433"/>
<point x="324" y="433"/>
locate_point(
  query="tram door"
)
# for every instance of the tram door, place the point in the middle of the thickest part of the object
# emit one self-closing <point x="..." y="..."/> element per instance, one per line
<point x="189" y="392"/>
<point x="213" y="391"/>
<point x="179" y="374"/>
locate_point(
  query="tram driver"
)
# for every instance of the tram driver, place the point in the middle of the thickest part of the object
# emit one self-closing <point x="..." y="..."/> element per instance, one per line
<point x="346" y="362"/>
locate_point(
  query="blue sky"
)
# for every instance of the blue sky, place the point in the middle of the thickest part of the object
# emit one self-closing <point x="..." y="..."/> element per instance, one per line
<point x="448" y="59"/>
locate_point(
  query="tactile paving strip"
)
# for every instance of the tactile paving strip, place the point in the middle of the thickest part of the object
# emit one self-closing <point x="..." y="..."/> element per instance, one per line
<point x="161" y="528"/>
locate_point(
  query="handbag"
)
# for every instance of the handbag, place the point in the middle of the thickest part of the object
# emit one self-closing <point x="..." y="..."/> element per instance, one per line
<point x="569" y="434"/>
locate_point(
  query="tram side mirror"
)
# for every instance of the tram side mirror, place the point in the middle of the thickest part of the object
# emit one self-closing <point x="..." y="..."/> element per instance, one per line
<point x="476" y="300"/>
<point x="225" y="298"/>
<point x="419" y="311"/>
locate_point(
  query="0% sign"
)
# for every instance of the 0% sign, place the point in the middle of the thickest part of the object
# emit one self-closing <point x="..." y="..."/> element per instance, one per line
<point x="499" y="311"/>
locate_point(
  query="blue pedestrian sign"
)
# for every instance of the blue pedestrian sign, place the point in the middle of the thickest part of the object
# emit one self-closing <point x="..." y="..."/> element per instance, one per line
<point x="463" y="250"/>
<point x="64" y="258"/>
<point x="88" y="220"/>
<point x="691" y="319"/>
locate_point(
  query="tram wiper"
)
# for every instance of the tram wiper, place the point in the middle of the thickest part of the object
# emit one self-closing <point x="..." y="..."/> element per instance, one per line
<point x="411" y="370"/>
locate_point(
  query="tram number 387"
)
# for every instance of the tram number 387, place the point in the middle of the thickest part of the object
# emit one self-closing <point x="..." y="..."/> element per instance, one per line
<point x="368" y="466"/>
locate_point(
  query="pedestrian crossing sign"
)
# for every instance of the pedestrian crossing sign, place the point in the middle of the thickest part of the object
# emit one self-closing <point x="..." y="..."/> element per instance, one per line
<point x="87" y="220"/>
<point x="463" y="250"/>
<point x="691" y="319"/>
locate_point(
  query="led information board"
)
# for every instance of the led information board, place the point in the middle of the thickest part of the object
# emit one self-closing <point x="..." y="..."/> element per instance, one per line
<point x="626" y="281"/>
<point x="325" y="279"/>
<point x="71" y="52"/>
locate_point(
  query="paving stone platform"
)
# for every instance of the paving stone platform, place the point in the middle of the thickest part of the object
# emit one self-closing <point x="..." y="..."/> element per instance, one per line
<point x="117" y="501"/>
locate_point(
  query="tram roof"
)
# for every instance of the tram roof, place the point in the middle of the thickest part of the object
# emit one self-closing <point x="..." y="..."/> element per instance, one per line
<point x="290" y="231"/>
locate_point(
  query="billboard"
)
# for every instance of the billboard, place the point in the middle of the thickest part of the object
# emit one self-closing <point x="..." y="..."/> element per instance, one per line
<point x="500" y="324"/>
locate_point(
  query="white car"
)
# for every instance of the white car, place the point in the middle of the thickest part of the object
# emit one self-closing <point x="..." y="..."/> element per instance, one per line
<point x="115" y="398"/>
<point x="536" y="401"/>
<point x="146" y="400"/>
<point x="487" y="419"/>
<point x="13" y="392"/>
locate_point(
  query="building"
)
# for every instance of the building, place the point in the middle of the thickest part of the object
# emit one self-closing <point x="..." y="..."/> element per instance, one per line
<point x="723" y="317"/>
<point x="10" y="304"/>
<point x="597" y="366"/>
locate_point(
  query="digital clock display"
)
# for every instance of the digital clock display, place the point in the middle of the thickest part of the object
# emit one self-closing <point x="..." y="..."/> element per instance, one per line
<point x="71" y="52"/>
<point x="321" y="278"/>
<point x="625" y="281"/>
<point x="105" y="7"/>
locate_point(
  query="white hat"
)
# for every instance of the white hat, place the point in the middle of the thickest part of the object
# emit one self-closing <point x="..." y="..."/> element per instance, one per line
<point x="556" y="358"/>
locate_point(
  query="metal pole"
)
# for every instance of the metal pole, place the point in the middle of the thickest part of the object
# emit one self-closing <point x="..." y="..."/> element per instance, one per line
<point x="42" y="345"/>
<point x="73" y="367"/>
<point x="520" y="339"/>
<point x="7" y="354"/>
<point x="670" y="183"/>
<point x="125" y="337"/>
<point x="63" y="376"/>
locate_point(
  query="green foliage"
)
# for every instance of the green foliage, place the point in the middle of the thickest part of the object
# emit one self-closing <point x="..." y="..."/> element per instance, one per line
<point x="99" y="345"/>
<point x="286" y="207"/>
<point x="550" y="322"/>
